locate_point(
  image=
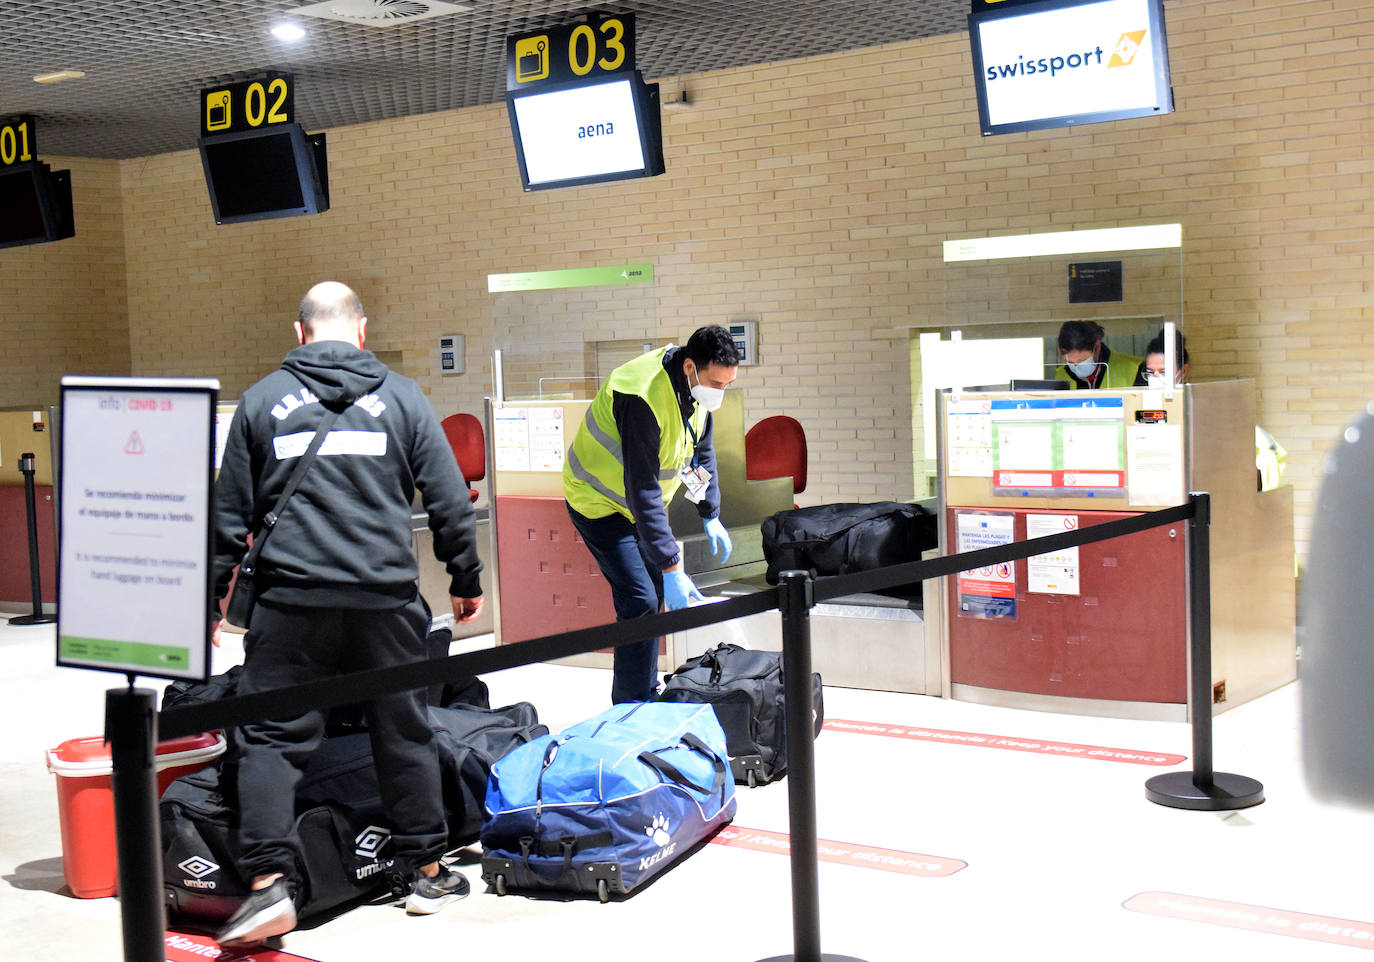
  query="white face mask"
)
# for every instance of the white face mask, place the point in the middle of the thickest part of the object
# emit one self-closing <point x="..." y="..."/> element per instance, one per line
<point x="1157" y="380"/>
<point x="710" y="398"/>
<point x="1084" y="368"/>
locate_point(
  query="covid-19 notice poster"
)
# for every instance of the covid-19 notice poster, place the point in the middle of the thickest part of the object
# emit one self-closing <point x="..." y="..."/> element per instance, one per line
<point x="989" y="591"/>
<point x="135" y="513"/>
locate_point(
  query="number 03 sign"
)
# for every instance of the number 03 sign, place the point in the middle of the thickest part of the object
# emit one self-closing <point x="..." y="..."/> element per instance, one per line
<point x="249" y="105"/>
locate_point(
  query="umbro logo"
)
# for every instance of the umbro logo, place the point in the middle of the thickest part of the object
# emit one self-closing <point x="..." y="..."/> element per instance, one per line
<point x="370" y="840"/>
<point x="198" y="867"/>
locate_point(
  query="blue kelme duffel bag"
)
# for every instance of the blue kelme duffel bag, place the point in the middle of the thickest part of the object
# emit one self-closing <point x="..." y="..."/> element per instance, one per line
<point x="608" y="803"/>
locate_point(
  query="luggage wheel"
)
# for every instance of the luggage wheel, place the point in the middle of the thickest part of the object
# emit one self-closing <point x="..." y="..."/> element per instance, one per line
<point x="603" y="891"/>
<point x="753" y="779"/>
<point x="500" y="883"/>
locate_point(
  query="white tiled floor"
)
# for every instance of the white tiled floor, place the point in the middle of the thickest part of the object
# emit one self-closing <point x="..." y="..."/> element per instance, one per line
<point x="1054" y="846"/>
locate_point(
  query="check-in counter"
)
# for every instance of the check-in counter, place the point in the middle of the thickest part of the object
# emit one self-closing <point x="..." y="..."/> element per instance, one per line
<point x="1103" y="629"/>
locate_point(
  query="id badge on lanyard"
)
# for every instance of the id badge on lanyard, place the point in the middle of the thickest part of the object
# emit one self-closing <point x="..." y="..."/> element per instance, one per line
<point x="693" y="476"/>
<point x="694" y="481"/>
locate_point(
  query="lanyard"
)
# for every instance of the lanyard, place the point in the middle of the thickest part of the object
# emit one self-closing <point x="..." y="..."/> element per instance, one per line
<point x="687" y="422"/>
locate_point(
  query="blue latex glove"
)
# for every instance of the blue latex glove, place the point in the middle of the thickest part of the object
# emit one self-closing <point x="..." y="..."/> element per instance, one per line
<point x="720" y="539"/>
<point x="678" y="590"/>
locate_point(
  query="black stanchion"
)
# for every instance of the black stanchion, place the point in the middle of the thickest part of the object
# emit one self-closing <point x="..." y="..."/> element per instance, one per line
<point x="35" y="585"/>
<point x="131" y="730"/>
<point x="795" y="600"/>
<point x="1202" y="789"/>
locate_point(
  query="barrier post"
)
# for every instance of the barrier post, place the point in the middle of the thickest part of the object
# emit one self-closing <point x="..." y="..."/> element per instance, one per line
<point x="795" y="600"/>
<point x="1202" y="789"/>
<point x="26" y="468"/>
<point x="130" y="728"/>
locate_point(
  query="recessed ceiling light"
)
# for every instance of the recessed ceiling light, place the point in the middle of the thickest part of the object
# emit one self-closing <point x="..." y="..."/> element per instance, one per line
<point x="57" y="76"/>
<point x="288" y="32"/>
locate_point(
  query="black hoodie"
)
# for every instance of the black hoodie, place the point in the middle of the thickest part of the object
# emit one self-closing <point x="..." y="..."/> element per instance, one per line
<point x="344" y="538"/>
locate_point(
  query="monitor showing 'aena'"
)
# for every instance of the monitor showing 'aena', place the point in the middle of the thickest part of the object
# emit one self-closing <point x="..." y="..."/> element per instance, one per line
<point x="586" y="133"/>
<point x="1065" y="62"/>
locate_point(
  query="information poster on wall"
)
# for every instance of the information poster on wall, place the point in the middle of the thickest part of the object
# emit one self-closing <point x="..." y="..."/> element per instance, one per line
<point x="1059" y="446"/>
<point x="547" y="447"/>
<point x="968" y="426"/>
<point x="135" y="553"/>
<point x="989" y="591"/>
<point x="511" y="438"/>
<point x="1055" y="573"/>
<point x="529" y="438"/>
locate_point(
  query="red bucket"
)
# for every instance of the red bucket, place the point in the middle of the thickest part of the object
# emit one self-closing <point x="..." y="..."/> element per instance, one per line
<point x="85" y="802"/>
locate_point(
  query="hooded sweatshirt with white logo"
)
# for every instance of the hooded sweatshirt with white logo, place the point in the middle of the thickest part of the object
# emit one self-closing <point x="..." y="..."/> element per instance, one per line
<point x="344" y="538"/>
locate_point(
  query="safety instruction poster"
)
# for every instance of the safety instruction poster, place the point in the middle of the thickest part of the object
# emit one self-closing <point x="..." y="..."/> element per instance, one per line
<point x="529" y="438"/>
<point x="989" y="591"/>
<point x="1059" y="446"/>
<point x="134" y="559"/>
<point x="968" y="426"/>
<point x="1055" y="573"/>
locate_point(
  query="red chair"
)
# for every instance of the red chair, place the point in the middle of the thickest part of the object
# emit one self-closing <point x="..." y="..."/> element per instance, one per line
<point x="776" y="448"/>
<point x="469" y="443"/>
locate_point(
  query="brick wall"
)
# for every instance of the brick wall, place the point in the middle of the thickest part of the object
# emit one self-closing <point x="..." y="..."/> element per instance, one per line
<point x="62" y="304"/>
<point x="814" y="195"/>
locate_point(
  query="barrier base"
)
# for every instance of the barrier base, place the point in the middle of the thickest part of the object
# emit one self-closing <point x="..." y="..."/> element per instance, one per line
<point x="33" y="620"/>
<point x="1227" y="792"/>
<point x="826" y="957"/>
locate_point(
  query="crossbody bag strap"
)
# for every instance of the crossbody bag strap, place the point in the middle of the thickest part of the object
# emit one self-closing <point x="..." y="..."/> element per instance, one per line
<point x="269" y="520"/>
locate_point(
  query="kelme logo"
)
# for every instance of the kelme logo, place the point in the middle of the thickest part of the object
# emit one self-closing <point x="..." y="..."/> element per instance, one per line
<point x="1126" y="48"/>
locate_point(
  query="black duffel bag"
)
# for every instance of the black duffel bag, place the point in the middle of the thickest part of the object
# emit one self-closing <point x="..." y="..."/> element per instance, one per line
<point x="837" y="539"/>
<point x="745" y="687"/>
<point x="345" y="855"/>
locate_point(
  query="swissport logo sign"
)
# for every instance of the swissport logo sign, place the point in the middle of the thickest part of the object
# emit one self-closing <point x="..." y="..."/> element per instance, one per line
<point x="1093" y="58"/>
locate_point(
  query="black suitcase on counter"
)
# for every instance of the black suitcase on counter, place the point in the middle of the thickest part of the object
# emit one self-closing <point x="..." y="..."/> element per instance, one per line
<point x="745" y="688"/>
<point x="837" y="539"/>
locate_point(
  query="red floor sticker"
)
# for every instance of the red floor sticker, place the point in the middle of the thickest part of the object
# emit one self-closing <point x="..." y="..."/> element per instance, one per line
<point x="1256" y="918"/>
<point x="842" y="853"/>
<point x="1096" y="752"/>
<point x="198" y="948"/>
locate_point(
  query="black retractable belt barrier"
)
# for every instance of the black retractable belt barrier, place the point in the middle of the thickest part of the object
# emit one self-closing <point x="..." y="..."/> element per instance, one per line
<point x="131" y="730"/>
<point x="1202" y="789"/>
<point x="35" y="584"/>
<point x="131" y="723"/>
<point x="795" y="600"/>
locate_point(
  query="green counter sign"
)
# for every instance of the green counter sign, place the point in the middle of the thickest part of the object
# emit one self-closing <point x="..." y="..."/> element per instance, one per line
<point x="573" y="277"/>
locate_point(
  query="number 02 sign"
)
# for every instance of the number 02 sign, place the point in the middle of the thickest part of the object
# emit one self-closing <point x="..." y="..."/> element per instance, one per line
<point x="249" y="105"/>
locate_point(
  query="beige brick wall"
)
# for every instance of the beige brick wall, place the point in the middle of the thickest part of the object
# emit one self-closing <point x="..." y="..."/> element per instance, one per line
<point x="62" y="304"/>
<point x="814" y="195"/>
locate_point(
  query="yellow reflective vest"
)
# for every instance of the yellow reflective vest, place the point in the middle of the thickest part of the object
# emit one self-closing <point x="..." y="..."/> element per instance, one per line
<point x="594" y="471"/>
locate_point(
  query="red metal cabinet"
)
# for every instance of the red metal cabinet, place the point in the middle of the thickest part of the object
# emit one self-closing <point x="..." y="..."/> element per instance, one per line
<point x="1123" y="637"/>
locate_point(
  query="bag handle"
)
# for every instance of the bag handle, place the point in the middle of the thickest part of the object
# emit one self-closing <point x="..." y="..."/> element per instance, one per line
<point x="670" y="772"/>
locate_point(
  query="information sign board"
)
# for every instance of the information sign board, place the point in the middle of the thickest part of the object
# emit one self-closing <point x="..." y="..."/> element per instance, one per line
<point x="134" y="555"/>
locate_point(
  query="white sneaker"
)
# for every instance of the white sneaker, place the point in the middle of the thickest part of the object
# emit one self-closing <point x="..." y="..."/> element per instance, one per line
<point x="431" y="894"/>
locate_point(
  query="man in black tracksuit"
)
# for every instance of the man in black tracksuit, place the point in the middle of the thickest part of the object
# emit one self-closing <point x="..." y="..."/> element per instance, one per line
<point x="337" y="591"/>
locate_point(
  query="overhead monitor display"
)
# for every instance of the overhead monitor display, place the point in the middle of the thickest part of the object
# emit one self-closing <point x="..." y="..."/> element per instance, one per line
<point x="35" y="204"/>
<point x="278" y="171"/>
<point x="1066" y="62"/>
<point x="590" y="132"/>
